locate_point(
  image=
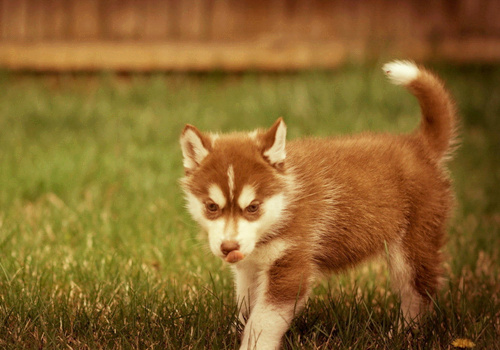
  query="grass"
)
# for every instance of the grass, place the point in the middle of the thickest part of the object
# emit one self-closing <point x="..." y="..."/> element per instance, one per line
<point x="97" y="251"/>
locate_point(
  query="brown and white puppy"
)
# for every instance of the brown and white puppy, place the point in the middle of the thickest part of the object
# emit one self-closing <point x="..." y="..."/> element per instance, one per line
<point x="283" y="213"/>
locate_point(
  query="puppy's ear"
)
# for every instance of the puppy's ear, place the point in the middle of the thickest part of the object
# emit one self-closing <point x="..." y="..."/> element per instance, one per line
<point x="195" y="147"/>
<point x="273" y="142"/>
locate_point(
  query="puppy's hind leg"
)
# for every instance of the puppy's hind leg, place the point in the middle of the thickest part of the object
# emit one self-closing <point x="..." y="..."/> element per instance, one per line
<point x="402" y="280"/>
<point x="416" y="273"/>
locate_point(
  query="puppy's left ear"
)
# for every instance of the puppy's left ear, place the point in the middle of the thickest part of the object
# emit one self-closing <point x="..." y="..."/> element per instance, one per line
<point x="273" y="142"/>
<point x="195" y="147"/>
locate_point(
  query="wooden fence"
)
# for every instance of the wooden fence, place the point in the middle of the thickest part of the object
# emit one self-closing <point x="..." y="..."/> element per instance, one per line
<point x="145" y="35"/>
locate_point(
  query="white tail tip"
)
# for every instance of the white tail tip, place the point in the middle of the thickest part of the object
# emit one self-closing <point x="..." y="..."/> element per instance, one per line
<point x="401" y="72"/>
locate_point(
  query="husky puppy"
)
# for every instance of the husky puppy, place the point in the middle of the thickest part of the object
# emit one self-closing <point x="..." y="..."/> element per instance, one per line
<point x="283" y="213"/>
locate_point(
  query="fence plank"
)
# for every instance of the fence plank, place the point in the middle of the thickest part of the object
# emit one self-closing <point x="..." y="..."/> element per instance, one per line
<point x="2" y="21"/>
<point x="123" y="19"/>
<point x="34" y="20"/>
<point x="192" y="24"/>
<point x="157" y="20"/>
<point x="492" y="17"/>
<point x="85" y="20"/>
<point x="56" y="19"/>
<point x="14" y="20"/>
<point x="224" y="21"/>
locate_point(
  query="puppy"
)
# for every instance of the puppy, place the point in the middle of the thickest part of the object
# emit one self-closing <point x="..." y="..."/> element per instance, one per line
<point x="283" y="213"/>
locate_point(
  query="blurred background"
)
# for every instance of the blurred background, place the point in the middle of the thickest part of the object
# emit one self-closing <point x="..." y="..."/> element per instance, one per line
<point x="202" y="35"/>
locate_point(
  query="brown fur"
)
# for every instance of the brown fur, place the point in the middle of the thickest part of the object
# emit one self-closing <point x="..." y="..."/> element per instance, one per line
<point x="379" y="188"/>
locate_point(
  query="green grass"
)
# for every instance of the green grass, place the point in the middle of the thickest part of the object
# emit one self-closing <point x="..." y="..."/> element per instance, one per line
<point x="97" y="251"/>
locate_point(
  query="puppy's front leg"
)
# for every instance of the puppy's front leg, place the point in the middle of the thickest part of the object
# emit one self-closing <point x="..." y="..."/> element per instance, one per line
<point x="266" y="326"/>
<point x="246" y="281"/>
<point x="280" y="295"/>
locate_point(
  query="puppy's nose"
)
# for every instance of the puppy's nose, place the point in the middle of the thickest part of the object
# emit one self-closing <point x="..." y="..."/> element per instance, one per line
<point x="228" y="246"/>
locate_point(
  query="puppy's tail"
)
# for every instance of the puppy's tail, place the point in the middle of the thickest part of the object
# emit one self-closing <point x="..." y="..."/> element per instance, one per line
<point x="438" y="125"/>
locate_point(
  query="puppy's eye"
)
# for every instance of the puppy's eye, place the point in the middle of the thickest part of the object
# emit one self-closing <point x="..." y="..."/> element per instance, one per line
<point x="252" y="208"/>
<point x="211" y="207"/>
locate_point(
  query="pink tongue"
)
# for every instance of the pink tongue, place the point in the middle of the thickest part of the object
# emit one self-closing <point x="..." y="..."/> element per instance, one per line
<point x="234" y="256"/>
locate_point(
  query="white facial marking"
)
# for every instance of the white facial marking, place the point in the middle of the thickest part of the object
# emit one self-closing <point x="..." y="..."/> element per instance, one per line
<point x="195" y="207"/>
<point x="214" y="228"/>
<point x="277" y="154"/>
<point x="216" y="194"/>
<point x="246" y="197"/>
<point x="230" y="229"/>
<point x="249" y="232"/>
<point x="230" y="181"/>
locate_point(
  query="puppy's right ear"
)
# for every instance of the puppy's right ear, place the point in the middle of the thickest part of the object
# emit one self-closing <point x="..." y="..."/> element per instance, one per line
<point x="195" y="147"/>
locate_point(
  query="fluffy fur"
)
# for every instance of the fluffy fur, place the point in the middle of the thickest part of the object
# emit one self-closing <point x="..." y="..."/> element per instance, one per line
<point x="288" y="212"/>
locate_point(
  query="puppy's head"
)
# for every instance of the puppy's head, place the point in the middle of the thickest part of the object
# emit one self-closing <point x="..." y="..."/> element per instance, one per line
<point x="235" y="186"/>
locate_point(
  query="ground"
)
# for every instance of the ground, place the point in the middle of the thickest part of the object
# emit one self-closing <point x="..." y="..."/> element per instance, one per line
<point x="97" y="250"/>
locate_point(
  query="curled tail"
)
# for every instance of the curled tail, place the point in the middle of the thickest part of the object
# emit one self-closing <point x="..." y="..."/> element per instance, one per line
<point x="438" y="111"/>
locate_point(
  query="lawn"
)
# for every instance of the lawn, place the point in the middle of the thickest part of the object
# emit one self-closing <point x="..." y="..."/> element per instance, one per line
<point x="97" y="250"/>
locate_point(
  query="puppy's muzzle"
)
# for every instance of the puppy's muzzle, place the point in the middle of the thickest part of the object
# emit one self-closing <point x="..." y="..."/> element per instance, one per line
<point x="231" y="251"/>
<point x="228" y="246"/>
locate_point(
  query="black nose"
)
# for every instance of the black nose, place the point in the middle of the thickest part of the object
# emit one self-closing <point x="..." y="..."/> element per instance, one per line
<point x="228" y="246"/>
